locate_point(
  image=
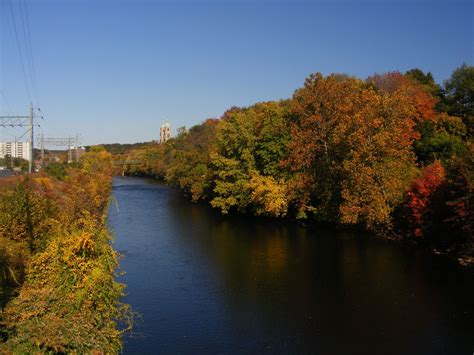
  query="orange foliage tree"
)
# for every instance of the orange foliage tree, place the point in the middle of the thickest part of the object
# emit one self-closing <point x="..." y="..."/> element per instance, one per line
<point x="420" y="99"/>
<point x="421" y="202"/>
<point x="351" y="149"/>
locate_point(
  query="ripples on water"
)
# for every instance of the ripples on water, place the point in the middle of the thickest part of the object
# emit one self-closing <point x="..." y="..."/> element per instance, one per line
<point x="210" y="284"/>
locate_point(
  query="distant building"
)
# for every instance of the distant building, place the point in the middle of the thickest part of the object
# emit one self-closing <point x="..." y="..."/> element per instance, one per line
<point x="15" y="150"/>
<point x="165" y="132"/>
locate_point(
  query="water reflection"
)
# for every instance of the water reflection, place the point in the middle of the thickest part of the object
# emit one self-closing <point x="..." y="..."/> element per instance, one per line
<point x="211" y="284"/>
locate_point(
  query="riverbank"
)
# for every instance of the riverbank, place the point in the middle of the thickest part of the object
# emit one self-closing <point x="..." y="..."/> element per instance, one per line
<point x="466" y="260"/>
<point x="208" y="283"/>
<point x="55" y="251"/>
<point x="381" y="154"/>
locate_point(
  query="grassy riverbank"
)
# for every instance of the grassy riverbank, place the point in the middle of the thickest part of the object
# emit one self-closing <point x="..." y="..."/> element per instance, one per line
<point x="57" y="264"/>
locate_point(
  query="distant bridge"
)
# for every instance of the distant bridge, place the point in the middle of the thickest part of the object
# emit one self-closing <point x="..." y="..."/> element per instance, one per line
<point x="127" y="162"/>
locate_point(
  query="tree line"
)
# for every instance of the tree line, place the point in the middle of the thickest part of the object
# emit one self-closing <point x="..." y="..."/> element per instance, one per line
<point x="392" y="154"/>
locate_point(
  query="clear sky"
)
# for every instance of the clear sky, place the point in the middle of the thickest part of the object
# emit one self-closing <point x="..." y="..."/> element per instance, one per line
<point x="113" y="71"/>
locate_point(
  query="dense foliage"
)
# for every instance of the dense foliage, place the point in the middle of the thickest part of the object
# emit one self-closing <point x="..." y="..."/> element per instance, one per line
<point x="391" y="154"/>
<point x="14" y="163"/>
<point x="57" y="264"/>
<point x="118" y="148"/>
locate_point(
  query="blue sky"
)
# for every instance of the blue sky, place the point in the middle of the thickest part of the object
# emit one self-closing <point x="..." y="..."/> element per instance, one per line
<point x="113" y="71"/>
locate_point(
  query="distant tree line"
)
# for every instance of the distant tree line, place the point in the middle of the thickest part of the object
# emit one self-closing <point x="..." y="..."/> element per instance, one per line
<point x="393" y="154"/>
<point x="118" y="148"/>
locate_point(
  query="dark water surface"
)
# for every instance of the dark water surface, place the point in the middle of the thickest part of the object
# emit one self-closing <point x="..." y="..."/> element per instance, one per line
<point x="214" y="285"/>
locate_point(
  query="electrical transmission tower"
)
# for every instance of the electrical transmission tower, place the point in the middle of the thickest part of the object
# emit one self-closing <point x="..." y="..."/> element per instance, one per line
<point x="60" y="142"/>
<point x="23" y="121"/>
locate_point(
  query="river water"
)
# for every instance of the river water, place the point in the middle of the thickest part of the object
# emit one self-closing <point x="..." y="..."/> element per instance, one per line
<point x="209" y="284"/>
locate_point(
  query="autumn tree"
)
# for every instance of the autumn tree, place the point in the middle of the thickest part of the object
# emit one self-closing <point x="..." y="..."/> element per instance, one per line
<point x="351" y="149"/>
<point x="148" y="160"/>
<point x="422" y="199"/>
<point x="25" y="215"/>
<point x="419" y="97"/>
<point x="190" y="160"/>
<point x="251" y="143"/>
<point x="97" y="159"/>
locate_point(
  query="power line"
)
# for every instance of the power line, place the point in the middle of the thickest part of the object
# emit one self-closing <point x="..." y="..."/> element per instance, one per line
<point x="19" y="121"/>
<point x="19" y="50"/>
<point x="5" y="100"/>
<point x="60" y="142"/>
<point x="27" y="32"/>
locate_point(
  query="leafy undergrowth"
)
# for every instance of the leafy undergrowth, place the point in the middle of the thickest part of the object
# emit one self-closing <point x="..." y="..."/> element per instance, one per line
<point x="69" y="301"/>
<point x="58" y="275"/>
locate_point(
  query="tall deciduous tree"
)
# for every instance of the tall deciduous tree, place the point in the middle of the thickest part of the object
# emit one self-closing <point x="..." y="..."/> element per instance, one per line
<point x="421" y="204"/>
<point x="189" y="168"/>
<point x="251" y="143"/>
<point x="351" y="149"/>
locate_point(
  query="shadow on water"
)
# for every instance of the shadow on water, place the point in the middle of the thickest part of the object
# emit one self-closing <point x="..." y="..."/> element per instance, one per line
<point x="205" y="283"/>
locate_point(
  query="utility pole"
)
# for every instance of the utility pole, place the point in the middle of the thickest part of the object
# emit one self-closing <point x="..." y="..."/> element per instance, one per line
<point x="60" y="142"/>
<point x="22" y="121"/>
<point x="42" y="151"/>
<point x="30" y="165"/>
<point x="11" y="154"/>
<point x="69" y="143"/>
<point x="77" y="148"/>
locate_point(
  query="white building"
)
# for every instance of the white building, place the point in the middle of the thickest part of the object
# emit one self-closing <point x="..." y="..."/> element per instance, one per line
<point x="165" y="132"/>
<point x="15" y="150"/>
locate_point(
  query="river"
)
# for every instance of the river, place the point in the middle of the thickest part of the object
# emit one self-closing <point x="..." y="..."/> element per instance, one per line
<point x="210" y="284"/>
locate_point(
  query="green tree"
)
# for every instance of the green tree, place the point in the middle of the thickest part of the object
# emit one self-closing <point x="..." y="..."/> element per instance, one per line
<point x="189" y="161"/>
<point x="58" y="170"/>
<point x="460" y="95"/>
<point x="251" y="143"/>
<point x="427" y="81"/>
<point x="440" y="139"/>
